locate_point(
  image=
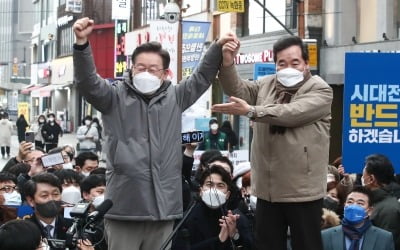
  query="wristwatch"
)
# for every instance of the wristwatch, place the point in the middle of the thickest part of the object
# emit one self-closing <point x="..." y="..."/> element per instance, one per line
<point x="236" y="236"/>
<point x="252" y="112"/>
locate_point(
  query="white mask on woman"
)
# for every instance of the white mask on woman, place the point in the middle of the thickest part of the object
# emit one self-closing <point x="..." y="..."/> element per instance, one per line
<point x="146" y="83"/>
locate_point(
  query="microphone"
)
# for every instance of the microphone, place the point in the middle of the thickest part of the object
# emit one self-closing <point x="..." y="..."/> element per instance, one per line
<point x="100" y="211"/>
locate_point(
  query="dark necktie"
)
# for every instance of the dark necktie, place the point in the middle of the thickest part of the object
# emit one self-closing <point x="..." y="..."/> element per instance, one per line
<point x="48" y="229"/>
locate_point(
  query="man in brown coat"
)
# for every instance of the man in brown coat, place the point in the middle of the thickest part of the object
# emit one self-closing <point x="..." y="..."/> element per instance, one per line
<point x="291" y="111"/>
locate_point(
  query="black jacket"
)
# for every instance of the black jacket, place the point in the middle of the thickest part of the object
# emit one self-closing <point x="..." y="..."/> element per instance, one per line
<point x="201" y="230"/>
<point x="61" y="227"/>
<point x="51" y="133"/>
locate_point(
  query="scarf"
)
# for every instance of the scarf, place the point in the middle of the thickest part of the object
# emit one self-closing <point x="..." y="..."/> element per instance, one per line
<point x="355" y="234"/>
<point x="284" y="95"/>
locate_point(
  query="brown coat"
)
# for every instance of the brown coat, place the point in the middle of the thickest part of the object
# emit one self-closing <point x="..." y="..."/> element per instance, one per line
<point x="289" y="167"/>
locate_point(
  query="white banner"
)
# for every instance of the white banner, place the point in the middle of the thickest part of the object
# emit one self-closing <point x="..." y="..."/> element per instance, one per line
<point x="236" y="157"/>
<point x="121" y="9"/>
<point x="167" y="34"/>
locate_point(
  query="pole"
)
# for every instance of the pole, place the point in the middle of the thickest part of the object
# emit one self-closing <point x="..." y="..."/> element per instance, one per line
<point x="179" y="61"/>
<point x="301" y="19"/>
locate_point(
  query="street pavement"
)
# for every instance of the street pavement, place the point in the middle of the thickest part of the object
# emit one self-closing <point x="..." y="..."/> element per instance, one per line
<point x="69" y="138"/>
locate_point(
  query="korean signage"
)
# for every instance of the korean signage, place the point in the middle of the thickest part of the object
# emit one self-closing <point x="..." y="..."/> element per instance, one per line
<point x="167" y="34"/>
<point x="236" y="157"/>
<point x="120" y="57"/>
<point x="136" y="38"/>
<point x="194" y="35"/>
<point x="371" y="109"/>
<point x="121" y="9"/>
<point x="74" y="6"/>
<point x="312" y="49"/>
<point x="263" y="69"/>
<point x="230" y="5"/>
<point x="23" y="109"/>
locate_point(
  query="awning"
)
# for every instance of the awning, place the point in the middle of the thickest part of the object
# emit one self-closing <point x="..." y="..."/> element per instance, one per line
<point x="30" y="88"/>
<point x="45" y="91"/>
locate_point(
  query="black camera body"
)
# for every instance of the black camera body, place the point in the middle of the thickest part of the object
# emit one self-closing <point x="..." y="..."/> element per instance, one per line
<point x="85" y="225"/>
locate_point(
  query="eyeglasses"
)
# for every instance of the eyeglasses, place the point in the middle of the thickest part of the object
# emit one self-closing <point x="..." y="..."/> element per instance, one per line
<point x="152" y="70"/>
<point x="34" y="159"/>
<point x="8" y="189"/>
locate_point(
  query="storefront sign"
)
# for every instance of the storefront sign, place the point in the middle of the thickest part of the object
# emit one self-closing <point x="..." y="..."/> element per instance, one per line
<point x="263" y="69"/>
<point x="121" y="27"/>
<point x="230" y="5"/>
<point x="248" y="58"/>
<point x="121" y="10"/>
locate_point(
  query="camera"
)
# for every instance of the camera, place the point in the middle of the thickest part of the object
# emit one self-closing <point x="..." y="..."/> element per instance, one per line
<point x="85" y="225"/>
<point x="172" y="12"/>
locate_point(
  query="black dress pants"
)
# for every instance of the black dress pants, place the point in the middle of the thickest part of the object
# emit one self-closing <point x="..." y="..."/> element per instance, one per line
<point x="274" y="218"/>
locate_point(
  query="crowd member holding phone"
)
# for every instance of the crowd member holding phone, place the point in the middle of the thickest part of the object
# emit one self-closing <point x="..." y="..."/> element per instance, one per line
<point x="142" y="125"/>
<point x="6" y="128"/>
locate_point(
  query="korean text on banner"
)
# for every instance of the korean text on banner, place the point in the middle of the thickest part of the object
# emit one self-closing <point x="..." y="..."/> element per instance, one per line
<point x="371" y="108"/>
<point x="121" y="9"/>
<point x="194" y="34"/>
<point x="167" y="34"/>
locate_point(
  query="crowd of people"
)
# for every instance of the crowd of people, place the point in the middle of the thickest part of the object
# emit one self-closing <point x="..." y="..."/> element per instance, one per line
<point x="51" y="191"/>
<point x="286" y="197"/>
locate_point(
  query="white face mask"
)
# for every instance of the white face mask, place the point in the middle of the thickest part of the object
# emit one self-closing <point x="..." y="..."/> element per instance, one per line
<point x="41" y="120"/>
<point x="71" y="195"/>
<point x="87" y="122"/>
<point x="68" y="165"/>
<point x="98" y="200"/>
<point x="213" y="198"/>
<point x="12" y="199"/>
<point x="289" y="77"/>
<point x="86" y="174"/>
<point x="330" y="177"/>
<point x="146" y="82"/>
<point x="214" y="126"/>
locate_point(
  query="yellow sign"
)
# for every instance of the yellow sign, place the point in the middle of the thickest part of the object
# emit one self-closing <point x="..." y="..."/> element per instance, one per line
<point x="23" y="109"/>
<point x="312" y="55"/>
<point x="231" y="5"/>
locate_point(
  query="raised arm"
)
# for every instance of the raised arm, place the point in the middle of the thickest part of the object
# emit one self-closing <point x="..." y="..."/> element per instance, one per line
<point x="190" y="89"/>
<point x="95" y="89"/>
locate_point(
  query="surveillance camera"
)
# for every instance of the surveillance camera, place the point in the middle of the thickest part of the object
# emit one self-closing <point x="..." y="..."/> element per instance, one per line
<point x="171" y="12"/>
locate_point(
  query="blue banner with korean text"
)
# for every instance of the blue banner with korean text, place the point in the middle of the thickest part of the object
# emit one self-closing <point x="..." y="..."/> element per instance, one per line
<point x="371" y="109"/>
<point x="263" y="69"/>
<point x="194" y="35"/>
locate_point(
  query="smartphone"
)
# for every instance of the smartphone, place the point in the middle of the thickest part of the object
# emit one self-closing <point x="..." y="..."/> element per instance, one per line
<point x="30" y="137"/>
<point x="192" y="137"/>
<point x="52" y="159"/>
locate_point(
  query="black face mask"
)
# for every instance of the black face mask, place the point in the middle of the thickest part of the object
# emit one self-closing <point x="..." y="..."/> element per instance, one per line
<point x="49" y="209"/>
<point x="330" y="203"/>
